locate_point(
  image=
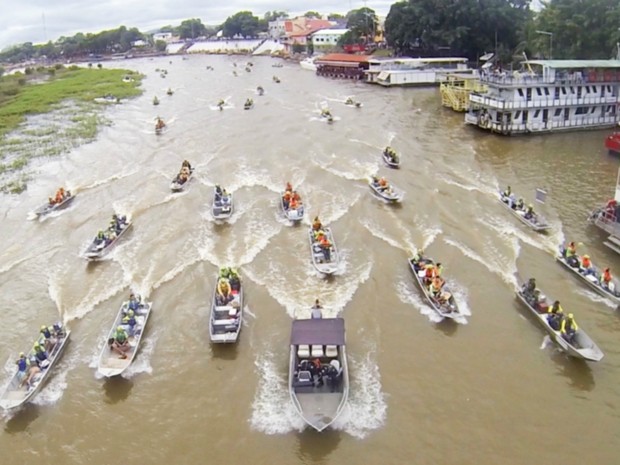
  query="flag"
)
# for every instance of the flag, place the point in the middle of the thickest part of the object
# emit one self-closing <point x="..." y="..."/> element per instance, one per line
<point x="541" y="195"/>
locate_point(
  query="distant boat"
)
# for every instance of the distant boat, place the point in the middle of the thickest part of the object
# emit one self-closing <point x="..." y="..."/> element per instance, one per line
<point x="98" y="248"/>
<point x="222" y="206"/>
<point x="318" y="371"/>
<point x="537" y="222"/>
<point x="308" y="64"/>
<point x="49" y="208"/>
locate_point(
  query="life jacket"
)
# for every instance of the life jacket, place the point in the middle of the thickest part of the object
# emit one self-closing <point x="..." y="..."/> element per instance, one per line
<point x="568" y="324"/>
<point x="129" y="320"/>
<point x="606" y="278"/>
<point x="120" y="336"/>
<point x="296" y="197"/>
<point x="287" y="196"/>
<point x="382" y="182"/>
<point x="429" y="271"/>
<point x="554" y="310"/>
<point x="223" y="288"/>
<point x="22" y="364"/>
<point x="40" y="355"/>
<point x="325" y="242"/>
<point x="46" y="333"/>
<point x="293" y="204"/>
<point x="586" y="263"/>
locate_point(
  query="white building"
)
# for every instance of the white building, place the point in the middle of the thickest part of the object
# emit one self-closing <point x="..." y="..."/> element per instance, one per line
<point x="277" y="28"/>
<point x="165" y="36"/>
<point x="327" y="38"/>
<point x="550" y="95"/>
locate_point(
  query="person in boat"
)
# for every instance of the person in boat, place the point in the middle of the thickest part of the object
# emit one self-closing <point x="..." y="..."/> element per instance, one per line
<point x="218" y="193"/>
<point x="224" y="292"/>
<point x="182" y="178"/>
<point x="60" y="195"/>
<point x="383" y="184"/>
<point x="520" y="205"/>
<point x="159" y="124"/>
<point x="391" y="154"/>
<point x="101" y="237"/>
<point x="119" y="222"/>
<point x="293" y="204"/>
<point x="155" y="101"/>
<point x="326" y="113"/>
<point x="23" y="366"/>
<point x="249" y="102"/>
<point x="129" y="322"/>
<point x="349" y="101"/>
<point x="443" y="299"/>
<point x="316" y="224"/>
<point x="47" y="338"/>
<point x="317" y="310"/>
<point x="555" y="313"/>
<point x="40" y="355"/>
<point x="529" y="212"/>
<point x="570" y="255"/>
<point x="569" y="328"/>
<point x="133" y="303"/>
<point x="260" y="90"/>
<point x="507" y="192"/>
<point x="119" y="342"/>
<point x="286" y="199"/>
<point x="530" y="286"/>
<point x="606" y="280"/>
<point x="586" y="266"/>
<point x="33" y="371"/>
<point x="234" y="280"/>
<point x="429" y="273"/>
<point x="326" y="247"/>
<point x="435" y="287"/>
<point x="221" y="103"/>
<point x="169" y="92"/>
<point x="295" y="196"/>
<point x="418" y="260"/>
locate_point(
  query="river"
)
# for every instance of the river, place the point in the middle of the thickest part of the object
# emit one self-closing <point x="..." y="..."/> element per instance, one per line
<point x="489" y="388"/>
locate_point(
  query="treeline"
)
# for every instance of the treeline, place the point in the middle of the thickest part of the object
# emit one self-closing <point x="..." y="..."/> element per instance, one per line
<point x="563" y="29"/>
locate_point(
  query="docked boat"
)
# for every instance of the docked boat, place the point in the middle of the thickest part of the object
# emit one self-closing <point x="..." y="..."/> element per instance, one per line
<point x="391" y="159"/>
<point x="308" y="64"/>
<point x="591" y="278"/>
<point x="403" y="71"/>
<point x="390" y="193"/>
<point x="102" y="245"/>
<point x="535" y="221"/>
<point x="111" y="363"/>
<point x="291" y="214"/>
<point x="16" y="394"/>
<point x="444" y="304"/>
<point x="318" y="371"/>
<point x="226" y="316"/>
<point x="325" y="262"/>
<point x="178" y="185"/>
<point x="49" y="208"/>
<point x="222" y="207"/>
<point x="581" y="346"/>
<point x="547" y="96"/>
<point x="612" y="143"/>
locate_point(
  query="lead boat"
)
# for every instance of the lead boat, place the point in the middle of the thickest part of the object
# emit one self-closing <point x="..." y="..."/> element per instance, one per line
<point x="226" y="318"/>
<point x="318" y="373"/>
<point x="16" y="395"/>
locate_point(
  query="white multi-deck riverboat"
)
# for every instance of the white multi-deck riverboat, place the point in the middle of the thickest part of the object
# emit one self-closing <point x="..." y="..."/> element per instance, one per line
<point x="548" y="95"/>
<point x="413" y="71"/>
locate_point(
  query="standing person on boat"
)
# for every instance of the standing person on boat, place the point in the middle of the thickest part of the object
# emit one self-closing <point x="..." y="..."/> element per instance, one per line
<point x="520" y="204"/>
<point x="555" y="313"/>
<point x="326" y="247"/>
<point x="286" y="199"/>
<point x="586" y="266"/>
<point x="530" y="286"/>
<point x="23" y="365"/>
<point x="569" y="328"/>
<point x="506" y="193"/>
<point x="317" y="310"/>
<point x="316" y="224"/>
<point x="119" y="342"/>
<point x="60" y="195"/>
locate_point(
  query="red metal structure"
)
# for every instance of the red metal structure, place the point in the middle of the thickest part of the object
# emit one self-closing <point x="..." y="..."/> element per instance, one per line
<point x="612" y="143"/>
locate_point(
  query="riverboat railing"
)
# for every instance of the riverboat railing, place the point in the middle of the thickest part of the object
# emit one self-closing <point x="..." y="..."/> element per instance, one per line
<point x="528" y="79"/>
<point x="503" y="104"/>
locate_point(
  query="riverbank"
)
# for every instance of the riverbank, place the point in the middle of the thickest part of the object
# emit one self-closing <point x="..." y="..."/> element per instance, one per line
<point x="48" y="111"/>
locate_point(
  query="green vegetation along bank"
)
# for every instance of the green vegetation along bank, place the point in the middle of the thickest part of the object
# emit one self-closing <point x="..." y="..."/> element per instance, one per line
<point x="48" y="111"/>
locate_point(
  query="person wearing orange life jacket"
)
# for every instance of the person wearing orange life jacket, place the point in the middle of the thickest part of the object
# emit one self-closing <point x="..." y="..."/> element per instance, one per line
<point x="286" y="198"/>
<point x="383" y="184"/>
<point x="586" y="266"/>
<point x="569" y="328"/>
<point x="293" y="204"/>
<point x="606" y="280"/>
<point x="60" y="195"/>
<point x="429" y="274"/>
<point x="326" y="246"/>
<point x="296" y="196"/>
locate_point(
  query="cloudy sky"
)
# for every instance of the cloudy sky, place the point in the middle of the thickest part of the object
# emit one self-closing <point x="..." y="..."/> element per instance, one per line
<point x="41" y="20"/>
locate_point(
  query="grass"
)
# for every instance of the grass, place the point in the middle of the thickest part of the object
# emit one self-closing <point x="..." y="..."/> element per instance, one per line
<point x="49" y="111"/>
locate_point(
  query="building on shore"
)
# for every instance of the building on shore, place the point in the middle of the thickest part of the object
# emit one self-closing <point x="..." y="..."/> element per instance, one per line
<point x="549" y="95"/>
<point x="325" y="40"/>
<point x="390" y="72"/>
<point x="342" y="66"/>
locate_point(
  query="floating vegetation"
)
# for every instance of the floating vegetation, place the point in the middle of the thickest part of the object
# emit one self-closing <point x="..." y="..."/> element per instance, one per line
<point x="50" y="117"/>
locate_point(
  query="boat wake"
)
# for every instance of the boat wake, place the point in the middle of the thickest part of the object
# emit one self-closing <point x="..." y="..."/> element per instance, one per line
<point x="596" y="297"/>
<point x="404" y="243"/>
<point x="53" y="390"/>
<point x="101" y="182"/>
<point x="366" y="409"/>
<point x="410" y="296"/>
<point x="497" y="263"/>
<point x="272" y="409"/>
<point x="364" y="170"/>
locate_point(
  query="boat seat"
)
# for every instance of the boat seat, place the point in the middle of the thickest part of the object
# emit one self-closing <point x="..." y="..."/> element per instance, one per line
<point x="228" y="321"/>
<point x="303" y="351"/>
<point x="331" y="351"/>
<point x="317" y="351"/>
<point x="303" y="379"/>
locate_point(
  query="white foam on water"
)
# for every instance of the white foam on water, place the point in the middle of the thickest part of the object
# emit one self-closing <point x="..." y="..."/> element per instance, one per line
<point x="514" y="228"/>
<point x="57" y="381"/>
<point x="461" y="297"/>
<point x="93" y="296"/>
<point x="96" y="352"/>
<point x="545" y="342"/>
<point x="256" y="240"/>
<point x="248" y="311"/>
<point x="366" y="409"/>
<point x="480" y="186"/>
<point x="272" y="409"/>
<point x="374" y="229"/>
<point x="142" y="361"/>
<point x="363" y="170"/>
<point x="174" y="272"/>
<point x="109" y="179"/>
<point x="363" y="142"/>
<point x="595" y="297"/>
<point x="498" y="264"/>
<point x="333" y="211"/>
<point x="410" y="297"/>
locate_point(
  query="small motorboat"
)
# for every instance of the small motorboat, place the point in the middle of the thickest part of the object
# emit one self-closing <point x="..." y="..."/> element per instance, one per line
<point x="260" y="90"/>
<point x="112" y="363"/>
<point x="159" y="126"/>
<point x="443" y="303"/>
<point x="580" y="346"/>
<point x="178" y="185"/>
<point x="535" y="221"/>
<point x="352" y="103"/>
<point x="387" y="193"/>
<point x="102" y="245"/>
<point x="325" y="261"/>
<point x="276" y="79"/>
<point x="16" y="394"/>
<point x="326" y="115"/>
<point x="249" y="104"/>
<point x="292" y="214"/>
<point x="155" y="101"/>
<point x="318" y="379"/>
<point x="226" y="318"/>
<point x="169" y="92"/>
<point x="52" y="207"/>
<point x="222" y="207"/>
<point x="391" y="158"/>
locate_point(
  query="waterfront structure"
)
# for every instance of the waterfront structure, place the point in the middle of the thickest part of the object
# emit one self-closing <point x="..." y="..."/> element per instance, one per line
<point x="455" y="90"/>
<point x="549" y="95"/>
<point x="414" y="71"/>
<point x="342" y="66"/>
<point x="326" y="39"/>
<point x="607" y="218"/>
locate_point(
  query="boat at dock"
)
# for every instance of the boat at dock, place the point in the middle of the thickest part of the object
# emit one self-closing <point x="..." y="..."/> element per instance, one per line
<point x="318" y="371"/>
<point x="389" y="72"/>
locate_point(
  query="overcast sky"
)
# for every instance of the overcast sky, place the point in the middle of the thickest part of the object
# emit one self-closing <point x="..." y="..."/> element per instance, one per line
<point x="38" y="21"/>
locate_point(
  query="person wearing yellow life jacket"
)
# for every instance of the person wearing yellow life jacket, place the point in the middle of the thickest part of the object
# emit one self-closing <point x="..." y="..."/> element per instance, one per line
<point x="129" y="322"/>
<point x="47" y="338"/>
<point x="529" y="212"/>
<point x="555" y="314"/>
<point x="569" y="328"/>
<point x="224" y="294"/>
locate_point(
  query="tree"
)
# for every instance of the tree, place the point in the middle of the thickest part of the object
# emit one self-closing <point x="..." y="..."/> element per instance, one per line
<point x="363" y="22"/>
<point x="243" y="23"/>
<point x="191" y="28"/>
<point x="335" y="17"/>
<point x="348" y="38"/>
<point x="1" y="71"/>
<point x="160" y="45"/>
<point x="312" y="14"/>
<point x="273" y="15"/>
<point x="581" y="30"/>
